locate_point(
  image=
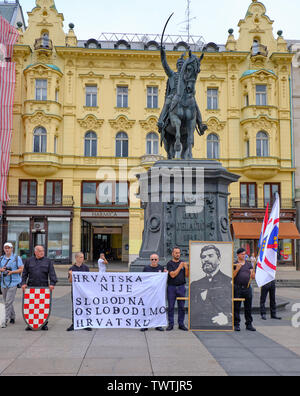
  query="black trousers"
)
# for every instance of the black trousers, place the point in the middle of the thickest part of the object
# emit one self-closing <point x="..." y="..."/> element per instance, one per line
<point x="246" y="293"/>
<point x="270" y="289"/>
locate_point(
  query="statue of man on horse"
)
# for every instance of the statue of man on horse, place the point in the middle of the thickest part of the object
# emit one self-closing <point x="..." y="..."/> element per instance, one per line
<point x="180" y="116"/>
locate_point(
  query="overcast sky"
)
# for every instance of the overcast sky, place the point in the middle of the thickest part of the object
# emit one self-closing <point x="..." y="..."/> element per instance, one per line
<point x="211" y="19"/>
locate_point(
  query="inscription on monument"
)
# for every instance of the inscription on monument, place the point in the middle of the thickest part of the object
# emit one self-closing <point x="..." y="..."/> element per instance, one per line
<point x="189" y="226"/>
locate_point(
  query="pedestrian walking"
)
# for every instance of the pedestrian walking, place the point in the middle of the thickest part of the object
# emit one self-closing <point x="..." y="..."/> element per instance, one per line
<point x="102" y="263"/>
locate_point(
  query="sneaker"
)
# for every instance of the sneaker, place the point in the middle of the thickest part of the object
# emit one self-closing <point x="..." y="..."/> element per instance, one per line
<point x="4" y="325"/>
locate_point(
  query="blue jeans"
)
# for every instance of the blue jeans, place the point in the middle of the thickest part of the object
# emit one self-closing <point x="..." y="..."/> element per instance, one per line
<point x="173" y="292"/>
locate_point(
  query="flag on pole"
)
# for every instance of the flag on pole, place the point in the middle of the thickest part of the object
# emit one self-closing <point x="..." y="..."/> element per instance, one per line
<point x="267" y="260"/>
<point x="264" y="226"/>
<point x="8" y="37"/>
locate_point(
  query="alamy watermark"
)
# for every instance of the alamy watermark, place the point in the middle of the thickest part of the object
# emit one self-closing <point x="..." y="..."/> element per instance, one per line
<point x="296" y="317"/>
<point x="160" y="184"/>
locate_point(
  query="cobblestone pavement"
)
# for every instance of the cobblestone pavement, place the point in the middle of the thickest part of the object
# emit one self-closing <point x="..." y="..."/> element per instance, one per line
<point x="273" y="350"/>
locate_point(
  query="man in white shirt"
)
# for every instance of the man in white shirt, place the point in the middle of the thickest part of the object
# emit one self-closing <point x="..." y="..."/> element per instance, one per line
<point x="102" y="263"/>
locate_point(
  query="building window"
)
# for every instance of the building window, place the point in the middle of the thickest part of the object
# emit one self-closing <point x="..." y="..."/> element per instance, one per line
<point x="40" y="89"/>
<point x="121" y="194"/>
<point x="247" y="148"/>
<point x="53" y="192"/>
<point x="213" y="146"/>
<point x="89" y="191"/>
<point x="122" y="97"/>
<point x="262" y="144"/>
<point x="212" y="99"/>
<point x="18" y="232"/>
<point x="90" y="144"/>
<point x="286" y="251"/>
<point x="152" y="143"/>
<point x="58" y="239"/>
<point x="122" y="145"/>
<point x="152" y="97"/>
<point x="270" y="189"/>
<point x="122" y="44"/>
<point x="261" y="95"/>
<point x="28" y="192"/>
<point x="105" y="193"/>
<point x="40" y="140"/>
<point x="248" y="195"/>
<point x="45" y="40"/>
<point x="55" y="144"/>
<point x="91" y="92"/>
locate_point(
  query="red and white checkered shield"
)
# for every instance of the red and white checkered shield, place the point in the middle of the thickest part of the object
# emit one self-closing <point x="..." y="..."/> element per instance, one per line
<point x="36" y="307"/>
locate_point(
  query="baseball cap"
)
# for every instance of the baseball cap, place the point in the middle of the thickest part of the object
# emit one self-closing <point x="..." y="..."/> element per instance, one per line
<point x="8" y="244"/>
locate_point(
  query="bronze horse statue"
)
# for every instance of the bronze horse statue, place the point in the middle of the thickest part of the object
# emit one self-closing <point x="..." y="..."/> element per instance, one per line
<point x="184" y="116"/>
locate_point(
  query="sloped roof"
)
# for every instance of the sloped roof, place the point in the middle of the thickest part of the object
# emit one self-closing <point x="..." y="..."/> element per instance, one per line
<point x="7" y="11"/>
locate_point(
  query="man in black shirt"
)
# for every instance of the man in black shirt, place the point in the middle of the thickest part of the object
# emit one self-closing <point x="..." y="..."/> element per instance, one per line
<point x="178" y="272"/>
<point x="77" y="267"/>
<point x="243" y="274"/>
<point x="38" y="271"/>
<point x="154" y="267"/>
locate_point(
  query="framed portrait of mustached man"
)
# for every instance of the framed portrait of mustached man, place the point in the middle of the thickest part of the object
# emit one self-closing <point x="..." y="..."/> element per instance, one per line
<point x="211" y="286"/>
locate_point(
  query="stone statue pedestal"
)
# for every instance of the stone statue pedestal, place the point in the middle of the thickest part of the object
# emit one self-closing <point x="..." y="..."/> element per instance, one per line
<point x="183" y="200"/>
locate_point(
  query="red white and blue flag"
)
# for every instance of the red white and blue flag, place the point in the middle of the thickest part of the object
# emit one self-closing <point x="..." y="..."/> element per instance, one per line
<point x="8" y="37"/>
<point x="264" y="226"/>
<point x="267" y="259"/>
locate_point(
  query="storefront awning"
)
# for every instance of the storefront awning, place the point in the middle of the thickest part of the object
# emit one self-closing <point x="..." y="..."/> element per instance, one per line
<point x="253" y="230"/>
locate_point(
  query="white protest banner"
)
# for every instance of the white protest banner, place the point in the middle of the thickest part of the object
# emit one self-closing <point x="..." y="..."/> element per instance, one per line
<point x="119" y="300"/>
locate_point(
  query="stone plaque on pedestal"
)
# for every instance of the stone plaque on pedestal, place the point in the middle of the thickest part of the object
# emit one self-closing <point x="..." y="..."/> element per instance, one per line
<point x="183" y="200"/>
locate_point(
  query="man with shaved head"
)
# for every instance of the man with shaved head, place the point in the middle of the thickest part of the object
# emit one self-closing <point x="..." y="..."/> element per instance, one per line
<point x="39" y="272"/>
<point x="154" y="267"/>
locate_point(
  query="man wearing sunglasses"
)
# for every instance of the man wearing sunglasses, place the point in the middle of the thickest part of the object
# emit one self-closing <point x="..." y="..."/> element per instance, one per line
<point x="154" y="267"/>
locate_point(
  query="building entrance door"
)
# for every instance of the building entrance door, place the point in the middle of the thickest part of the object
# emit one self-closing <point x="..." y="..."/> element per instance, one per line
<point x="101" y="244"/>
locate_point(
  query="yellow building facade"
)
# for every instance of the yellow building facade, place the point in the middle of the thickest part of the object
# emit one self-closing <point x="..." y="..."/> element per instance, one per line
<point x="85" y="118"/>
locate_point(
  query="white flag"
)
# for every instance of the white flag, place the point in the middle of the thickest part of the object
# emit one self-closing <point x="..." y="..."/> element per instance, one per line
<point x="267" y="260"/>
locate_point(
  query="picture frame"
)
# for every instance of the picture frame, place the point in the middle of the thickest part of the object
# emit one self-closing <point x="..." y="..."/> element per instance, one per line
<point x="211" y="289"/>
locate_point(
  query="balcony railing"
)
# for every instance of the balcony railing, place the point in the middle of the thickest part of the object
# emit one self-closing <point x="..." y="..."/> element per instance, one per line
<point x="238" y="203"/>
<point x="65" y="201"/>
<point x="43" y="43"/>
<point x="259" y="49"/>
